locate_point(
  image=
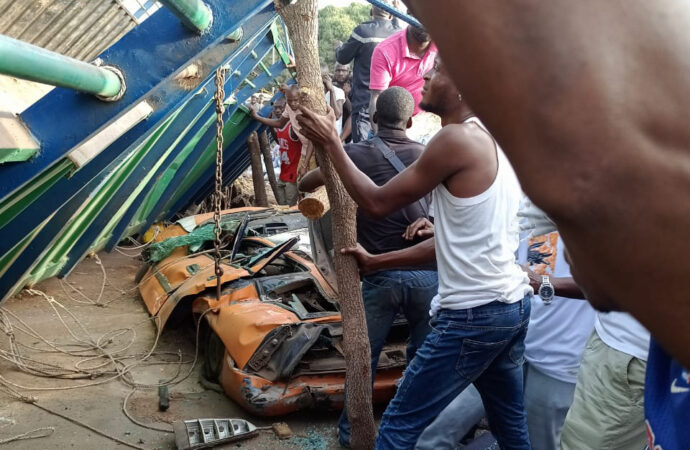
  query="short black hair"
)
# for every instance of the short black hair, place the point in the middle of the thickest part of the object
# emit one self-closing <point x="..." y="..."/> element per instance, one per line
<point x="394" y="107"/>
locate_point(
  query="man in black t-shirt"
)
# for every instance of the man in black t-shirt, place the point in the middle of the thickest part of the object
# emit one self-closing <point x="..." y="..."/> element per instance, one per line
<point x="358" y="48"/>
<point x="410" y="289"/>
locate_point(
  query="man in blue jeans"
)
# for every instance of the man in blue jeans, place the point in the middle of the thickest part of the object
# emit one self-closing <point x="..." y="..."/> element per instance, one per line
<point x="407" y="289"/>
<point x="481" y="312"/>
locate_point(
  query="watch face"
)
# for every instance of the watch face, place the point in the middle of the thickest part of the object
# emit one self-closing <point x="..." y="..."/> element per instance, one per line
<point x="546" y="292"/>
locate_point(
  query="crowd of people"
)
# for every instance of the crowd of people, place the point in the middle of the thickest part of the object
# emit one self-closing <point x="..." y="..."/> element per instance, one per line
<point x="499" y="327"/>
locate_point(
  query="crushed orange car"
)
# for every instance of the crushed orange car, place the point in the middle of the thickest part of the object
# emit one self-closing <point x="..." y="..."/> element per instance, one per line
<point x="275" y="338"/>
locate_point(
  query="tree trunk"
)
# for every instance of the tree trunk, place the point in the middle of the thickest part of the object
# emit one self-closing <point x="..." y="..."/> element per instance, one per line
<point x="301" y="21"/>
<point x="257" y="172"/>
<point x="315" y="204"/>
<point x="268" y="162"/>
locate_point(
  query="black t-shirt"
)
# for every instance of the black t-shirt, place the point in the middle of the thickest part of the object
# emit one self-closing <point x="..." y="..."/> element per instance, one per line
<point x="381" y="236"/>
<point x="359" y="47"/>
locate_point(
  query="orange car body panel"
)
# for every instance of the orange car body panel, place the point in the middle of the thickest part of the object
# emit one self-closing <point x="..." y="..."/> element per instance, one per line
<point x="242" y="321"/>
<point x="277" y="398"/>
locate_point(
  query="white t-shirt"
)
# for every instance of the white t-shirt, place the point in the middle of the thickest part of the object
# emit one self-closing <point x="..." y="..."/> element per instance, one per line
<point x="476" y="241"/>
<point x="623" y="333"/>
<point x="558" y="332"/>
<point x="339" y="95"/>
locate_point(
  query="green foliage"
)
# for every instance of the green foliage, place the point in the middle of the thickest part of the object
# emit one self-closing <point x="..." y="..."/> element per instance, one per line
<point x="336" y="24"/>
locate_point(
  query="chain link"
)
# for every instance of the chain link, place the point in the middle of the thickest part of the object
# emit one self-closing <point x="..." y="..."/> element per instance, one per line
<point x="218" y="193"/>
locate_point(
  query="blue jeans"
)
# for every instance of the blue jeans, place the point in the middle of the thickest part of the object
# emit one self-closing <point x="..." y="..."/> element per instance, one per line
<point x="547" y="401"/>
<point x="482" y="345"/>
<point x="361" y="127"/>
<point x="385" y="294"/>
<point x="454" y="422"/>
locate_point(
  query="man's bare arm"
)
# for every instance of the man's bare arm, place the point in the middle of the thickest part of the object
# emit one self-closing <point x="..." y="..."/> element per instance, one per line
<point x="347" y="129"/>
<point x="422" y="253"/>
<point x="563" y="286"/>
<point x="273" y="123"/>
<point x="440" y="160"/>
<point x="311" y="181"/>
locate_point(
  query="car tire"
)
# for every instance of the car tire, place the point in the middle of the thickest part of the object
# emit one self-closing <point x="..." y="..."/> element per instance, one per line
<point x="214" y="353"/>
<point x="140" y="273"/>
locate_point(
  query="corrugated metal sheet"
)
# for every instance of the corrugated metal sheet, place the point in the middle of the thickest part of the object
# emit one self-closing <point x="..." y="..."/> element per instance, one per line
<point x="81" y="29"/>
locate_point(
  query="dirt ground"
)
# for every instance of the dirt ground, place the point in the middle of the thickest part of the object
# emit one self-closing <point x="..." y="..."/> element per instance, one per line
<point x="100" y="406"/>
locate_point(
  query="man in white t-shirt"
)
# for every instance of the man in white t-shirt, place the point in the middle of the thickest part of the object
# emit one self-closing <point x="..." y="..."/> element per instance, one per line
<point x="335" y="97"/>
<point x="608" y="410"/>
<point x="555" y="341"/>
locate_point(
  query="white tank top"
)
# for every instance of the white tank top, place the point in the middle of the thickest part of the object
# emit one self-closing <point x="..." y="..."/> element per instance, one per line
<point x="476" y="241"/>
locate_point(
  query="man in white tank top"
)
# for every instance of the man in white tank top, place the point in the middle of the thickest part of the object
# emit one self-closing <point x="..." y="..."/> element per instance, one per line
<point x="482" y="308"/>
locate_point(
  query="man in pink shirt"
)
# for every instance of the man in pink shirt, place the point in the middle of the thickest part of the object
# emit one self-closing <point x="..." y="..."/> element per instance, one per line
<point x="401" y="60"/>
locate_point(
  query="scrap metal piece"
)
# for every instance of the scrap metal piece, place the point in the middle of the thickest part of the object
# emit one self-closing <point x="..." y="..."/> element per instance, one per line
<point x="163" y="398"/>
<point x="206" y="433"/>
<point x="282" y="430"/>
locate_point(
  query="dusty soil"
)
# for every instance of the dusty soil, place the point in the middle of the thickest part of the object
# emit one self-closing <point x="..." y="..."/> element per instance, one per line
<point x="100" y="406"/>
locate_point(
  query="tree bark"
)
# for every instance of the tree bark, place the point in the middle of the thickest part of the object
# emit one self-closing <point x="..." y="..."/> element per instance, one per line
<point x="260" y="198"/>
<point x="301" y="21"/>
<point x="268" y="162"/>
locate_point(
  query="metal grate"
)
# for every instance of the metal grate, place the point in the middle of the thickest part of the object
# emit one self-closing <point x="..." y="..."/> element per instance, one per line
<point x="81" y="29"/>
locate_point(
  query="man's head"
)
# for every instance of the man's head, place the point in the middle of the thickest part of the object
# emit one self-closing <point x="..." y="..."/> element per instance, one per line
<point x="292" y="97"/>
<point x="378" y="13"/>
<point x="341" y="73"/>
<point x="439" y="94"/>
<point x="279" y="106"/>
<point x="420" y="35"/>
<point x="394" y="109"/>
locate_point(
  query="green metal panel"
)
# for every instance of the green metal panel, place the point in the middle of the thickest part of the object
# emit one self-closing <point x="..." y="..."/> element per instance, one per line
<point x="16" y="154"/>
<point x="152" y="198"/>
<point x="102" y="239"/>
<point x="51" y="263"/>
<point x="7" y="259"/>
<point x="26" y="195"/>
<point x="232" y="128"/>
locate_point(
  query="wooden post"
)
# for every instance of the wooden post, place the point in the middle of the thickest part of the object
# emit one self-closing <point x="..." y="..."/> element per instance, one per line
<point x="257" y="172"/>
<point x="301" y="21"/>
<point x="268" y="162"/>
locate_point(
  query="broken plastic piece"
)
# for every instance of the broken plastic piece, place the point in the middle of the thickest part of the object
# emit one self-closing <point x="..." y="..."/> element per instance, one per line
<point x="206" y="433"/>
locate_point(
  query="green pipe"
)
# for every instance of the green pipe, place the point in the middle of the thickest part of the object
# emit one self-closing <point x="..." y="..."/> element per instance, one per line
<point x="263" y="66"/>
<point x="193" y="13"/>
<point x="30" y="62"/>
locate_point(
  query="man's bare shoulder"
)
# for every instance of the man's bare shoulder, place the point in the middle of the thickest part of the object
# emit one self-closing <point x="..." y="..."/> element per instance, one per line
<point x="466" y="137"/>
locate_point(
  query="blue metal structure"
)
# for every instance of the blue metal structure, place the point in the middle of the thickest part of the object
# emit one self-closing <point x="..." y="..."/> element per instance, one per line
<point x="109" y="170"/>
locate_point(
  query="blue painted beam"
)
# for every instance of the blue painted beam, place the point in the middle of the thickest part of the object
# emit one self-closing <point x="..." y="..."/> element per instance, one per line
<point x="40" y="244"/>
<point x="63" y="190"/>
<point x="189" y="121"/>
<point x="148" y="55"/>
<point x="243" y="94"/>
<point x="244" y="65"/>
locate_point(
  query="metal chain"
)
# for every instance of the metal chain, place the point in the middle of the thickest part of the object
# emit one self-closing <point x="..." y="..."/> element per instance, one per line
<point x="218" y="192"/>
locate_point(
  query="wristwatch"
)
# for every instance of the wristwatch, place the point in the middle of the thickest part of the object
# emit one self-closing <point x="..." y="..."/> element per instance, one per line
<point x="546" y="290"/>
